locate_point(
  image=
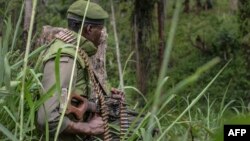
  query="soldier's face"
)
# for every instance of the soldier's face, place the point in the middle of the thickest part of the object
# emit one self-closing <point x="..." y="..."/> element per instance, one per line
<point x="96" y="34"/>
<point x="93" y="33"/>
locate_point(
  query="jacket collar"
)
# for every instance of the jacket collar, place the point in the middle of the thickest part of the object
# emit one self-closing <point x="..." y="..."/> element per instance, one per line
<point x="71" y="37"/>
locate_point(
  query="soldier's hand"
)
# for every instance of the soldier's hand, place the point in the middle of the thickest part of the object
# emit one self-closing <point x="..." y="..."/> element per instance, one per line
<point x="96" y="125"/>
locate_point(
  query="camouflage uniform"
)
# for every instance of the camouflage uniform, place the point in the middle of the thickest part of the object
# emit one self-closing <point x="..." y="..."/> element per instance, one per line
<point x="66" y="40"/>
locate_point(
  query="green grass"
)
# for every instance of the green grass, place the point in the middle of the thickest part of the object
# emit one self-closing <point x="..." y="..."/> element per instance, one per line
<point x="194" y="95"/>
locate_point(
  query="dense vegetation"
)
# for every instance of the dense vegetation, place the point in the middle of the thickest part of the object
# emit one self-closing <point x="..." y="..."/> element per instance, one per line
<point x="204" y="84"/>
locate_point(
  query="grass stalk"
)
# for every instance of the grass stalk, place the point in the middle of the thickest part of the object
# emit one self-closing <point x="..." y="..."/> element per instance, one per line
<point x="165" y="61"/>
<point x="192" y="103"/>
<point x="126" y="63"/>
<point x="17" y="28"/>
<point x="117" y="47"/>
<point x="32" y="54"/>
<point x="25" y="68"/>
<point x="138" y="91"/>
<point x="208" y="110"/>
<point x="209" y="107"/>
<point x="7" y="133"/>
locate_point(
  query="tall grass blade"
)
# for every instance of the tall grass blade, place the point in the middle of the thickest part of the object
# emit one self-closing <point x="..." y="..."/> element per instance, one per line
<point x="136" y="129"/>
<point x="13" y="85"/>
<point x="193" y="102"/>
<point x="224" y="96"/>
<point x="28" y="98"/>
<point x="45" y="97"/>
<point x="138" y="91"/>
<point x="31" y="55"/>
<point x="4" y="93"/>
<point x="36" y="77"/>
<point x="34" y="3"/>
<point x="158" y="124"/>
<point x="221" y="113"/>
<point x="165" y="103"/>
<point x="31" y="103"/>
<point x="170" y="95"/>
<point x="126" y="63"/>
<point x="4" y="48"/>
<point x="165" y="61"/>
<point x="7" y="35"/>
<point x="1" y="63"/>
<point x="117" y="47"/>
<point x="209" y="106"/>
<point x="7" y="73"/>
<point x="195" y="76"/>
<point x="17" y="28"/>
<point x="11" y="115"/>
<point x="7" y="133"/>
<point x="236" y="110"/>
<point x="57" y="71"/>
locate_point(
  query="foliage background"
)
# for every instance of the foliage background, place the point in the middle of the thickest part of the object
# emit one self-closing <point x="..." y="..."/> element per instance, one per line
<point x="223" y="33"/>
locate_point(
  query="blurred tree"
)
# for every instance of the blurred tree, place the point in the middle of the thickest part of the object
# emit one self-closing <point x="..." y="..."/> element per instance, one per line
<point x="99" y="59"/>
<point x="186" y="6"/>
<point x="198" y="6"/>
<point x="96" y="1"/>
<point x="234" y="5"/>
<point x="244" y="22"/>
<point x="208" y="5"/>
<point x="142" y="21"/>
<point x="27" y="17"/>
<point x="244" y="17"/>
<point x="161" y="28"/>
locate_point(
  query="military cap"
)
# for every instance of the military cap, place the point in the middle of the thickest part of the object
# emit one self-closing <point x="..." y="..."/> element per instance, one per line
<point x="95" y="13"/>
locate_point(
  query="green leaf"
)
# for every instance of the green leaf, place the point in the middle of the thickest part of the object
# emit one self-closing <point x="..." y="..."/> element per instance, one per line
<point x="7" y="73"/>
<point x="126" y="63"/>
<point x="28" y="97"/>
<point x="4" y="93"/>
<point x="31" y="55"/>
<point x="145" y="134"/>
<point x="10" y="114"/>
<point x="138" y="91"/>
<point x="13" y="84"/>
<point x="134" y="128"/>
<point x="193" y="101"/>
<point x="2" y="55"/>
<point x="57" y="71"/>
<point x="45" y="97"/>
<point x="36" y="77"/>
<point x="158" y="124"/>
<point x="17" y="28"/>
<point x="189" y="80"/>
<point x="7" y="133"/>
<point x="7" y="35"/>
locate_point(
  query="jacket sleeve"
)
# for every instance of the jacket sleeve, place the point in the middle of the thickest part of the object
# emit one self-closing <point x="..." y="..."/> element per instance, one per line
<point x="50" y="110"/>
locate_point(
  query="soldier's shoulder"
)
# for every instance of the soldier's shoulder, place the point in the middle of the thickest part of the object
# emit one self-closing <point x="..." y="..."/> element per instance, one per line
<point x="47" y="35"/>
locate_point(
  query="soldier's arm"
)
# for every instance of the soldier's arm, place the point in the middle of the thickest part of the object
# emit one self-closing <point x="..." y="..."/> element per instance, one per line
<point x="50" y="110"/>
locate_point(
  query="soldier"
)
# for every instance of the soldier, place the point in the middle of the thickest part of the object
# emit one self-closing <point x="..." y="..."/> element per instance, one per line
<point x="74" y="126"/>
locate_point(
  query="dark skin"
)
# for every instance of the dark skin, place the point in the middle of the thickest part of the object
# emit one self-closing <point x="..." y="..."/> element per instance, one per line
<point x="93" y="33"/>
<point x="96" y="125"/>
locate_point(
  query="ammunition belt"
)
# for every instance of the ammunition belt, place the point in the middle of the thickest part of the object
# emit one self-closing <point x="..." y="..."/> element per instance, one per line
<point x="67" y="36"/>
